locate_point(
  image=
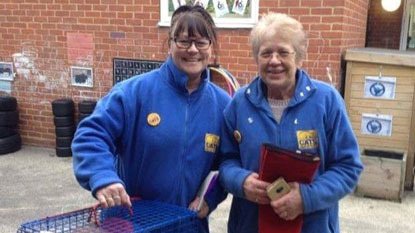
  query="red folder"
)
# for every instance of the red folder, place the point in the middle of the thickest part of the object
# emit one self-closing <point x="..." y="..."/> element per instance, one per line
<point x="293" y="166"/>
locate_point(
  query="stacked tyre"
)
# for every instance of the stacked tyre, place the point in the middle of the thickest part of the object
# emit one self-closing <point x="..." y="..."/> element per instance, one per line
<point x="63" y="118"/>
<point x="10" y="140"/>
<point x="85" y="108"/>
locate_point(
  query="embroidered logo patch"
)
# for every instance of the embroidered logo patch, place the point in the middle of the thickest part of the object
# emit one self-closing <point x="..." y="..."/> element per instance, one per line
<point x="153" y="119"/>
<point x="211" y="142"/>
<point x="307" y="139"/>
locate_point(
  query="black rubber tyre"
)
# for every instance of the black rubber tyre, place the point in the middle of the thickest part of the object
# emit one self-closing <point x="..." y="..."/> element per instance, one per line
<point x="64" y="141"/>
<point x="63" y="152"/>
<point x="63" y="107"/>
<point x="67" y="131"/>
<point x="10" y="144"/>
<point x="87" y="106"/>
<point x="63" y="121"/>
<point x="81" y="116"/>
<point x="7" y="132"/>
<point x="8" y="103"/>
<point x="9" y="118"/>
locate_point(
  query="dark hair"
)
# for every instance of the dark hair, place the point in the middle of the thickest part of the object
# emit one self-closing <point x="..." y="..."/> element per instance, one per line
<point x="194" y="19"/>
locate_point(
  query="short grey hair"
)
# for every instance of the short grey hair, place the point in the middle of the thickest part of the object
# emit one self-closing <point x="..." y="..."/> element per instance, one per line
<point x="283" y="26"/>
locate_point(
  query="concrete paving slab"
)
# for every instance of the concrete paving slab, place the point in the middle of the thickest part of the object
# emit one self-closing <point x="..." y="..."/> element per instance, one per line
<point x="36" y="184"/>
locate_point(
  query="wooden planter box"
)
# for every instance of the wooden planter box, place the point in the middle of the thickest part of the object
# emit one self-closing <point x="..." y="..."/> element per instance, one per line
<point x="363" y="62"/>
<point x="383" y="175"/>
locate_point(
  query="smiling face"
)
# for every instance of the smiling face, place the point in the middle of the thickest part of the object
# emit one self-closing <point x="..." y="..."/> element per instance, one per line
<point x="191" y="60"/>
<point x="277" y="66"/>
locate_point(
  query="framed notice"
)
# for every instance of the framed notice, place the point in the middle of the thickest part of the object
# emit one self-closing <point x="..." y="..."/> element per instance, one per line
<point x="6" y="71"/>
<point x="376" y="124"/>
<point x="81" y="76"/>
<point x="380" y="87"/>
<point x="225" y="13"/>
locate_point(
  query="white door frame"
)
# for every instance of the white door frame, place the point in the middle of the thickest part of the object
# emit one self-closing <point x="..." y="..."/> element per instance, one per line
<point x="405" y="19"/>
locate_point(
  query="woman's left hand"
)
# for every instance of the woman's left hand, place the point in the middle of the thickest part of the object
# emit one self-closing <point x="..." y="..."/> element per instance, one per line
<point x="289" y="206"/>
<point x="204" y="210"/>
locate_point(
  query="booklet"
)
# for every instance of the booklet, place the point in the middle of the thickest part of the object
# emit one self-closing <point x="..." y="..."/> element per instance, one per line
<point x="206" y="187"/>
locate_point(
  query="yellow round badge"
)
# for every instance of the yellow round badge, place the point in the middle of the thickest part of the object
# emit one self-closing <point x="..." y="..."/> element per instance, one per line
<point x="237" y="136"/>
<point x="153" y="119"/>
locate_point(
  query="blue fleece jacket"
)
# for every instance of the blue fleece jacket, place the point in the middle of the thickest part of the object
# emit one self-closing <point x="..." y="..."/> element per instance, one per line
<point x="315" y="121"/>
<point x="166" y="160"/>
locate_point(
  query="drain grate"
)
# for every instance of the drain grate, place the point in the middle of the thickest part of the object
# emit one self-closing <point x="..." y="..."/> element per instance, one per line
<point x="126" y="68"/>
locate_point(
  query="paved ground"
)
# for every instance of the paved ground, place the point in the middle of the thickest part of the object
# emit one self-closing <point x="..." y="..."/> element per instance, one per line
<point x="35" y="184"/>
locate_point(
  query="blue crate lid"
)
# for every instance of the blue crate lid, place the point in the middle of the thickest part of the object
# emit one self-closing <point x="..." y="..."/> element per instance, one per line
<point x="149" y="216"/>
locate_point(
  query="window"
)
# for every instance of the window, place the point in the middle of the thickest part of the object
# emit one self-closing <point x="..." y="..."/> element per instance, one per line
<point x="226" y="13"/>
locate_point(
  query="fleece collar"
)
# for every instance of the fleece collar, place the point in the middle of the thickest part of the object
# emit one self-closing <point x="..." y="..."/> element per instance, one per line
<point x="304" y="88"/>
<point x="178" y="79"/>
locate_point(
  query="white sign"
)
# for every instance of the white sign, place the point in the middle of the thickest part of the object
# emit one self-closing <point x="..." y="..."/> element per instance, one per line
<point x="376" y="124"/>
<point x="6" y="71"/>
<point x="82" y="76"/>
<point x="221" y="7"/>
<point x="380" y="87"/>
<point x="202" y="3"/>
<point x="239" y="6"/>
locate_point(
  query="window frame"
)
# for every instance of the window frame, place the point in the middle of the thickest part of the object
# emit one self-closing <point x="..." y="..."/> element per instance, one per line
<point x="222" y="22"/>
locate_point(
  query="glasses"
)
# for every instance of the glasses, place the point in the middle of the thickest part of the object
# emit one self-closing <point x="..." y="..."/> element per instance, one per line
<point x="201" y="44"/>
<point x="281" y="54"/>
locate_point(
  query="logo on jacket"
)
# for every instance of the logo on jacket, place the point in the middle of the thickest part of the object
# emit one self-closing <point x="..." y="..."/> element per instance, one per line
<point x="211" y="142"/>
<point x="307" y="139"/>
<point x="153" y="119"/>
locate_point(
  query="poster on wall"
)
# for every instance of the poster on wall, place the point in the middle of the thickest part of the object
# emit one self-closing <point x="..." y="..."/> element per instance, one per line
<point x="6" y="71"/>
<point x="202" y="3"/>
<point x="380" y="87"/>
<point x="376" y="124"/>
<point x="221" y="7"/>
<point x="81" y="76"/>
<point x="239" y="6"/>
<point x="225" y="13"/>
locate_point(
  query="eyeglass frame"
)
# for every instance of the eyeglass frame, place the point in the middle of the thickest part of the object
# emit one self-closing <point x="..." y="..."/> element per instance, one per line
<point x="192" y="41"/>
<point x="281" y="55"/>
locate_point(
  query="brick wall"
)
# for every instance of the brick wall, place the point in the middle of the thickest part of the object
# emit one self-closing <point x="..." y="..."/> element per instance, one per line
<point x="45" y="37"/>
<point x="384" y="28"/>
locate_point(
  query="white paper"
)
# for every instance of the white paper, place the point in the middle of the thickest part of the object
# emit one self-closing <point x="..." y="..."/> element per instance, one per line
<point x="239" y="6"/>
<point x="202" y="3"/>
<point x="212" y="176"/>
<point x="221" y="7"/>
<point x="376" y="124"/>
<point x="380" y="87"/>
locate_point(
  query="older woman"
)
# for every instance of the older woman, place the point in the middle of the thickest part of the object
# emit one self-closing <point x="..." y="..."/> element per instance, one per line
<point x="156" y="135"/>
<point x="276" y="107"/>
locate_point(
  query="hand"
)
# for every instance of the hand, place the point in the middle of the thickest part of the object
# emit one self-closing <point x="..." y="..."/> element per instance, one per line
<point x="204" y="210"/>
<point x="289" y="206"/>
<point x="113" y="195"/>
<point x="255" y="190"/>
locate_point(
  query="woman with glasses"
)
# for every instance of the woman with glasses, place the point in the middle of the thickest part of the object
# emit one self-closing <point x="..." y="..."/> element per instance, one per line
<point x="156" y="136"/>
<point x="285" y="107"/>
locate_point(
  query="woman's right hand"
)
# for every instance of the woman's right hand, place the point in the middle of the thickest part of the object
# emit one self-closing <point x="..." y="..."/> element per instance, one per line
<point x="255" y="189"/>
<point x="113" y="195"/>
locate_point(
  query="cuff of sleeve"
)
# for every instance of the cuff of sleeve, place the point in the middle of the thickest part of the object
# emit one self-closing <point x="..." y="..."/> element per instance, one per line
<point x="237" y="188"/>
<point x="305" y="195"/>
<point x="103" y="179"/>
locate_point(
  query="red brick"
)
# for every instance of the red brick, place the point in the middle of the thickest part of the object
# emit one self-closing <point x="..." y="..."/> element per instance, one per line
<point x="47" y="25"/>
